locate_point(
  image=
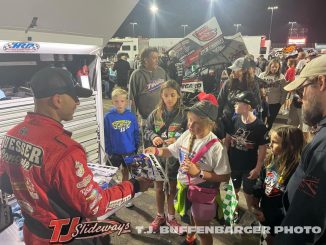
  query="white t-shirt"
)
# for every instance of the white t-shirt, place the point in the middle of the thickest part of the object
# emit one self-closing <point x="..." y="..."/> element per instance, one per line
<point x="214" y="160"/>
<point x="300" y="65"/>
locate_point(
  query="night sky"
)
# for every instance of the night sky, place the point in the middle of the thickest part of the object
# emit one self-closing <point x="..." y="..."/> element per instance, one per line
<point x="252" y="14"/>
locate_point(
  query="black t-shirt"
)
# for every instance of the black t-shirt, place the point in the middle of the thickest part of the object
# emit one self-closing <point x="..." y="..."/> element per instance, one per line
<point x="245" y="140"/>
<point x="122" y="67"/>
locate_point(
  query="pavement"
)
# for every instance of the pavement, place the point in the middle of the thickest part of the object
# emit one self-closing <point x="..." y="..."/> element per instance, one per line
<point x="143" y="213"/>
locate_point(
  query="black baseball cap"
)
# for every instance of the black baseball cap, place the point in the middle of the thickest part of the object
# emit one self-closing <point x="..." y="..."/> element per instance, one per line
<point x="50" y="81"/>
<point x="247" y="98"/>
<point x="204" y="108"/>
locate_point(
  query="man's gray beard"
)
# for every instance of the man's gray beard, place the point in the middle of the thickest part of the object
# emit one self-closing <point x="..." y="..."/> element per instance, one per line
<point x="314" y="115"/>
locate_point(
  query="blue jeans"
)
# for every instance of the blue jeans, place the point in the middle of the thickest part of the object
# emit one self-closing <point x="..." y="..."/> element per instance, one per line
<point x="108" y="87"/>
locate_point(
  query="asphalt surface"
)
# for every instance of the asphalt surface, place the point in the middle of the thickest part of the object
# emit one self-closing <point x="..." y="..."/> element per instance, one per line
<point x="143" y="213"/>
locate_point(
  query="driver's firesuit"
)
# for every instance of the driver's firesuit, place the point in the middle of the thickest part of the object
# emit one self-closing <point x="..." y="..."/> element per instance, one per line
<point x="50" y="177"/>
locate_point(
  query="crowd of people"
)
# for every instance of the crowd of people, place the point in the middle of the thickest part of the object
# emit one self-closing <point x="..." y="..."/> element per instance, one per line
<point x="281" y="173"/>
<point x="248" y="104"/>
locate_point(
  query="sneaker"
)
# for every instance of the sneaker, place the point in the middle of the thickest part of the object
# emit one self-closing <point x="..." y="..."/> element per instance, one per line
<point x="285" y="112"/>
<point x="236" y="217"/>
<point x="129" y="204"/>
<point x="175" y="226"/>
<point x="157" y="222"/>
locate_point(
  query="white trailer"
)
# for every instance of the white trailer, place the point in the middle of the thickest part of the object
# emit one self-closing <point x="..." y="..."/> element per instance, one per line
<point x="163" y="44"/>
<point x="63" y="33"/>
<point x="131" y="46"/>
<point x="254" y="45"/>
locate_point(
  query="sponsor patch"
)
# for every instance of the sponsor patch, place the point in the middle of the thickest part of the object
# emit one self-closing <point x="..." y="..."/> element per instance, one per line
<point x="79" y="169"/>
<point x="97" y="199"/>
<point x="31" y="189"/>
<point x="26" y="206"/>
<point x="117" y="203"/>
<point x="87" y="190"/>
<point x="309" y="185"/>
<point x="19" y="186"/>
<point x="85" y="181"/>
<point x="94" y="212"/>
<point x="16" y="151"/>
<point x="93" y="194"/>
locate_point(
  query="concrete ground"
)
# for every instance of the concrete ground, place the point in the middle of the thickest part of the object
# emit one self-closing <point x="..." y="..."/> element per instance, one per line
<point x="143" y="213"/>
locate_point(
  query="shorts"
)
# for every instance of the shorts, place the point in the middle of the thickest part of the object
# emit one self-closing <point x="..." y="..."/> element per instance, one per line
<point x="117" y="160"/>
<point x="172" y="165"/>
<point x="203" y="211"/>
<point x="241" y="176"/>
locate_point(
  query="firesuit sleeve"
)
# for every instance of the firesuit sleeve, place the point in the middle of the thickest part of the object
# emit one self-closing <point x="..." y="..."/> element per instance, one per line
<point x="74" y="182"/>
<point x="308" y="206"/>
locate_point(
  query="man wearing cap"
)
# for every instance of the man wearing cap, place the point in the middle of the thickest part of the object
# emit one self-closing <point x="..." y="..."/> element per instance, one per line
<point x="242" y="80"/>
<point x="304" y="200"/>
<point x="47" y="169"/>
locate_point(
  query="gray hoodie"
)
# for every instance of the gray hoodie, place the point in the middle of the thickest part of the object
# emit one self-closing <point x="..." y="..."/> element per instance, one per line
<point x="144" y="89"/>
<point x="274" y="88"/>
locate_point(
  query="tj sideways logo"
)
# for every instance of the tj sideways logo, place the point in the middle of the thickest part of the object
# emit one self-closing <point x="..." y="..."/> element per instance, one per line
<point x="65" y="230"/>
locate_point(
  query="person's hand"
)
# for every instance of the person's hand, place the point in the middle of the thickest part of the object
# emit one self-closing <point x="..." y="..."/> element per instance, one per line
<point x="170" y="141"/>
<point x="254" y="173"/>
<point x="192" y="169"/>
<point x="151" y="150"/>
<point x="259" y="215"/>
<point x="157" y="141"/>
<point x="144" y="183"/>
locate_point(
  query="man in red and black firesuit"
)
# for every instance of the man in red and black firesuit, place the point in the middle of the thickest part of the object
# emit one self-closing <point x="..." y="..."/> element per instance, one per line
<point x="47" y="169"/>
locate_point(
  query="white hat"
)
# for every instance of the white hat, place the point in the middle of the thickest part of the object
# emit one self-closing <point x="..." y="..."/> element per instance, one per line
<point x="237" y="64"/>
